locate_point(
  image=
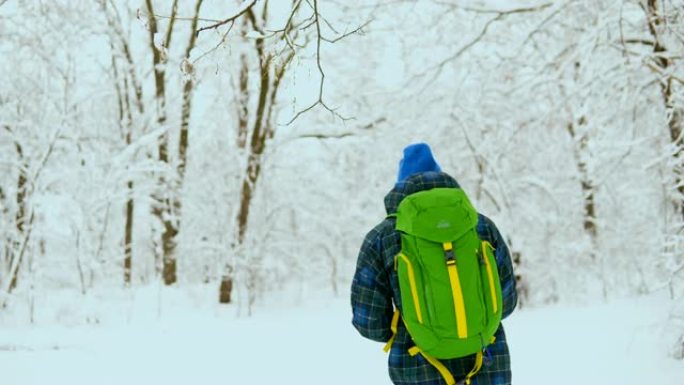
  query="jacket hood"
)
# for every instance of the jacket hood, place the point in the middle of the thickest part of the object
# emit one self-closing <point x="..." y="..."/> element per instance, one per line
<point x="415" y="183"/>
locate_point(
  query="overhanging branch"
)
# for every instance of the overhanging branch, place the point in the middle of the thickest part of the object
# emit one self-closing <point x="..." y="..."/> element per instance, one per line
<point x="499" y="15"/>
<point x="244" y="7"/>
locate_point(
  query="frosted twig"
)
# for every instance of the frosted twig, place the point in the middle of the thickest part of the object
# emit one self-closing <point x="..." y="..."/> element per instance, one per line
<point x="224" y="37"/>
<point x="187" y="18"/>
<point x="439" y="67"/>
<point x="496" y="11"/>
<point x="244" y="7"/>
<point x="320" y="100"/>
<point x="326" y="136"/>
<point x="548" y="18"/>
<point x="347" y="34"/>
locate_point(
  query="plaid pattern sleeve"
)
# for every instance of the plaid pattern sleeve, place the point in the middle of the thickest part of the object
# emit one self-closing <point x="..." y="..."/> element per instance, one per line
<point x="488" y="230"/>
<point x="371" y="295"/>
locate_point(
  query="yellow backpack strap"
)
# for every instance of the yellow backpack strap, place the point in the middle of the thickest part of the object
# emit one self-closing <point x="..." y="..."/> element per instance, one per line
<point x="443" y="369"/>
<point x="457" y="293"/>
<point x="435" y="362"/>
<point x="393" y="327"/>
<point x="477" y="366"/>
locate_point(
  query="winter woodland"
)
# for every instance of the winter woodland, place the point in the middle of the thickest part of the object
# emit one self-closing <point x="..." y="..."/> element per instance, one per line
<point x="244" y="147"/>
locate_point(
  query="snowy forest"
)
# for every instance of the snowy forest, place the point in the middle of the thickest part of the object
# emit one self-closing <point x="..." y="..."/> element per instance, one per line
<point x="163" y="158"/>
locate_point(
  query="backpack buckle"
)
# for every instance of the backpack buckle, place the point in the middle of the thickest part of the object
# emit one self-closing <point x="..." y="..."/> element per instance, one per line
<point x="449" y="255"/>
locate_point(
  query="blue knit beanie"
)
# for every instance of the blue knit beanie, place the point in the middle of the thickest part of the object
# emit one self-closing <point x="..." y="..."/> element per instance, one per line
<point x="417" y="158"/>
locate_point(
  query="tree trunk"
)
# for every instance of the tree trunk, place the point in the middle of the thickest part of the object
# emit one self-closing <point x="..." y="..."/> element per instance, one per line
<point x="243" y="103"/>
<point x="8" y="238"/>
<point x="588" y="188"/>
<point x="263" y="129"/>
<point x="128" y="236"/>
<point x="25" y="226"/>
<point x="580" y="143"/>
<point x="258" y="140"/>
<point x="164" y="197"/>
<point x="675" y="114"/>
<point x="126" y="126"/>
<point x="520" y="282"/>
<point x="270" y="77"/>
<point x="172" y="227"/>
<point x="19" y="258"/>
<point x="256" y="148"/>
<point x="226" y="289"/>
<point x="243" y="96"/>
<point x="20" y="217"/>
<point x="247" y="193"/>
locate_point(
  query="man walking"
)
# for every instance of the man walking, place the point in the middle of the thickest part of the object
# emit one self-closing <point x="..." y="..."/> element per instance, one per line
<point x="433" y="280"/>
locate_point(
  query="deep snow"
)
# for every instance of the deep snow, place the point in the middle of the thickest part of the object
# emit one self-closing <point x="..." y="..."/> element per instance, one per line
<point x="145" y="341"/>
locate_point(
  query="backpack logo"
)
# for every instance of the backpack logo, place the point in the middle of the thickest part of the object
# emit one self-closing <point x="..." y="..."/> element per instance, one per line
<point x="443" y="224"/>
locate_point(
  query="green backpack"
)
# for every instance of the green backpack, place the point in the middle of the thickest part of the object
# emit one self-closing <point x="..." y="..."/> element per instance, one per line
<point x="448" y="278"/>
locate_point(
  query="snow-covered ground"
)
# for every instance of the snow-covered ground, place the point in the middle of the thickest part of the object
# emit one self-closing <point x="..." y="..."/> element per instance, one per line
<point x="623" y="342"/>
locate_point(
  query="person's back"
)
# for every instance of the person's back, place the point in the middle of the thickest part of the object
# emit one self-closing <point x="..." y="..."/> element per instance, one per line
<point x="376" y="287"/>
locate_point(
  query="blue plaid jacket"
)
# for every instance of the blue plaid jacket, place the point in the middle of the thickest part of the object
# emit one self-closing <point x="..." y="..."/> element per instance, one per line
<point x="375" y="287"/>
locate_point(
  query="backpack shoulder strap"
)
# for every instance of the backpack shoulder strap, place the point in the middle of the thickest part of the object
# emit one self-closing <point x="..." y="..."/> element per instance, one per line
<point x="393" y="327"/>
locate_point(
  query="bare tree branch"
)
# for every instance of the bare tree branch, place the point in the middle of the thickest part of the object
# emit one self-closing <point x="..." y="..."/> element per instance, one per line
<point x="347" y="34"/>
<point x="496" y="11"/>
<point x="439" y="67"/>
<point x="319" y="101"/>
<point x="289" y="26"/>
<point x="244" y="7"/>
<point x="224" y="37"/>
<point x="187" y="18"/>
<point x="640" y="41"/>
<point x="172" y="21"/>
<point x="548" y="18"/>
<point x="326" y="136"/>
